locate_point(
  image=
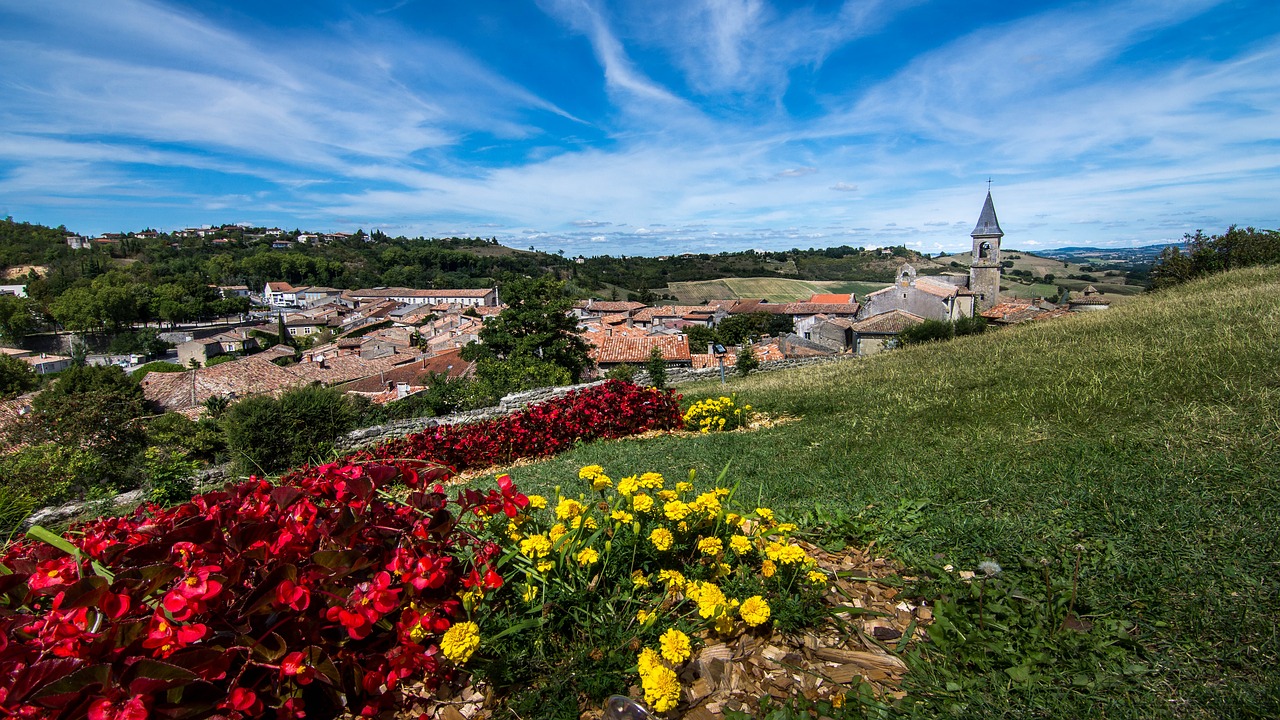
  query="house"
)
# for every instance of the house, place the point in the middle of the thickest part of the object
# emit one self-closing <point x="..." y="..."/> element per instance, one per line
<point x="230" y="291"/>
<point x="610" y="348"/>
<point x="678" y="316"/>
<point x="404" y="380"/>
<point x="927" y="297"/>
<point x="18" y="290"/>
<point x="1090" y="300"/>
<point x="76" y="242"/>
<point x="409" y="296"/>
<point x="199" y="351"/>
<point x="281" y="244"/>
<point x="280" y="293"/>
<point x="599" y="308"/>
<point x="832" y="333"/>
<point x="236" y="341"/>
<point x="880" y="332"/>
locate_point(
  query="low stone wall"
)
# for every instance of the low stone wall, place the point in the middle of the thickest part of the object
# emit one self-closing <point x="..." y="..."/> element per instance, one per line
<point x="678" y="376"/>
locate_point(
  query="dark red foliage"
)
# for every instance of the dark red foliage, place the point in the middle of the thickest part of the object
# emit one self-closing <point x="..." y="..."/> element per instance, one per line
<point x="259" y="599"/>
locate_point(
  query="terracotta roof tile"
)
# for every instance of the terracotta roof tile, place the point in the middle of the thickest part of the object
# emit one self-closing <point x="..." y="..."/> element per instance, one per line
<point x="635" y="349"/>
<point x="893" y="321"/>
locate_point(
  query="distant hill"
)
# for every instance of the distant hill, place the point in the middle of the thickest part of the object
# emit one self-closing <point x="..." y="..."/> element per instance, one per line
<point x="1091" y="255"/>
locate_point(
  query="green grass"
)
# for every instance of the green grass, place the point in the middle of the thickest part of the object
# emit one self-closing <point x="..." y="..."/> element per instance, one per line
<point x="772" y="289"/>
<point x="1146" y="435"/>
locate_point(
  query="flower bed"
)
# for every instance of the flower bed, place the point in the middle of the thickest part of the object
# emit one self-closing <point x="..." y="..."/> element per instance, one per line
<point x="612" y="410"/>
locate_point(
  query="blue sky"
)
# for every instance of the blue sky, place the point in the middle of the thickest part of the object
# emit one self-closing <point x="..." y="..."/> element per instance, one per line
<point x="646" y="127"/>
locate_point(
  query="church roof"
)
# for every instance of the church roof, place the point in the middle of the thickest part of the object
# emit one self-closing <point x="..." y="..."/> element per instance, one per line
<point x="987" y="223"/>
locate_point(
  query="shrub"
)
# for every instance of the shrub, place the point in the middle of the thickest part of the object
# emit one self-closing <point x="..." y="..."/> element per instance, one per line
<point x="975" y="325"/>
<point x="623" y="373"/>
<point x="746" y="361"/>
<point x="96" y="408"/>
<point x="156" y="366"/>
<point x="43" y="474"/>
<point x="16" y="377"/>
<point x="926" y="331"/>
<point x="657" y="367"/>
<point x="716" y="414"/>
<point x="266" y="434"/>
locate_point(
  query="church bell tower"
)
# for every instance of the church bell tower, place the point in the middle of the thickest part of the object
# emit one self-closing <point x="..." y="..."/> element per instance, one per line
<point x="984" y="266"/>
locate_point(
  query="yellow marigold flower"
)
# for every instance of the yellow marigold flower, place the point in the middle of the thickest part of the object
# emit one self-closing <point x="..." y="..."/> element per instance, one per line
<point x="535" y="546"/>
<point x="767" y="568"/>
<point x="708" y="504"/>
<point x="582" y="520"/>
<point x="722" y="570"/>
<point x="590" y="471"/>
<point x="667" y="495"/>
<point x="621" y="516"/>
<point x="648" y="660"/>
<point x="837" y="700"/>
<point x="537" y="502"/>
<point x="460" y="641"/>
<point x="791" y="554"/>
<point x="643" y="616"/>
<point x="817" y="577"/>
<point x="638" y="578"/>
<point x="733" y="519"/>
<point x="710" y="546"/>
<point x="672" y="578"/>
<point x="588" y="556"/>
<point x="740" y="544"/>
<point x="568" y="508"/>
<point x="721" y="492"/>
<point x="545" y="565"/>
<point x="711" y="600"/>
<point x="684" y="487"/>
<point x="661" y="688"/>
<point x="628" y="485"/>
<point x="651" y="481"/>
<point x="472" y="596"/>
<point x="754" y="611"/>
<point x="764" y="514"/>
<point x="661" y="539"/>
<point x="786" y="528"/>
<point x="642" y="503"/>
<point x="675" y="510"/>
<point x="530" y="592"/>
<point x="417" y="633"/>
<point x="601" y="482"/>
<point x="723" y="624"/>
<point x="675" y="646"/>
<point x="556" y="532"/>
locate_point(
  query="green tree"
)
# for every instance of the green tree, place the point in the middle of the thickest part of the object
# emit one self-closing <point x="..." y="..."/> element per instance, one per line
<point x="535" y="330"/>
<point x="927" y="331"/>
<point x="95" y="408"/>
<point x="265" y="434"/>
<point x="17" y="318"/>
<point x="747" y="361"/>
<point x="657" y="367"/>
<point x="700" y="337"/>
<point x="16" y="377"/>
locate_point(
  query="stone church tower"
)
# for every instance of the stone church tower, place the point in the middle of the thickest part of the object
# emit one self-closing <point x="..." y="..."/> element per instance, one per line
<point x="984" y="267"/>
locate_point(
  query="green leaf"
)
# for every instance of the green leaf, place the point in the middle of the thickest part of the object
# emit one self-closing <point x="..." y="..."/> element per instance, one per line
<point x="49" y="538"/>
<point x="1019" y="673"/>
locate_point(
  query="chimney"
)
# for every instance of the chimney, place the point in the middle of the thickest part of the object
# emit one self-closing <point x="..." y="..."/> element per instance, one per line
<point x="711" y="348"/>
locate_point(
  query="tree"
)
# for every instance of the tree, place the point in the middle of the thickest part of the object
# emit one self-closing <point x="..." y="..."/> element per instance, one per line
<point x="927" y="331"/>
<point x="16" y="377"/>
<point x="96" y="408"/>
<point x="536" y="329"/>
<point x="747" y="361"/>
<point x="17" y="317"/>
<point x="657" y="367"/>
<point x="266" y="434"/>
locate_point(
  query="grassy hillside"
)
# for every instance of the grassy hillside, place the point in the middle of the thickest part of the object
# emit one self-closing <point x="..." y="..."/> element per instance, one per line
<point x="1141" y="443"/>
<point x="772" y="289"/>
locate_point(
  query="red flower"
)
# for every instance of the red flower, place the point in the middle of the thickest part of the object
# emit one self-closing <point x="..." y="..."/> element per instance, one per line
<point x="52" y="573"/>
<point x="135" y="708"/>
<point x="192" y="593"/>
<point x="244" y="701"/>
<point x="293" y="595"/>
<point x="366" y="605"/>
<point x="166" y="638"/>
<point x="295" y="666"/>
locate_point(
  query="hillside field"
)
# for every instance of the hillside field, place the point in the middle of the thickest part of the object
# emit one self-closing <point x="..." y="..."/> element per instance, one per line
<point x="771" y="289"/>
<point x="1120" y="466"/>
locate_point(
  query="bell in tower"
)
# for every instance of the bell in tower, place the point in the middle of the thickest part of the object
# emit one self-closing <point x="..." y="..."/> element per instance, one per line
<point x="984" y="266"/>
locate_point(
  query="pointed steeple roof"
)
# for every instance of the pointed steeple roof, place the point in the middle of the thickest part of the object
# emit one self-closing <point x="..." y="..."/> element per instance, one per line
<point x="987" y="225"/>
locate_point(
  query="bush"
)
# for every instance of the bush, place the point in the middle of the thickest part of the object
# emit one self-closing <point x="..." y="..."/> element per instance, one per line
<point x="657" y="367"/>
<point x="16" y="377"/>
<point x="156" y="366"/>
<point x="746" y="362"/>
<point x="265" y="434"/>
<point x="975" y="325"/>
<point x="43" y="474"/>
<point x="716" y="414"/>
<point x="622" y="373"/>
<point x="201" y="440"/>
<point x="927" y="331"/>
<point x="96" y="408"/>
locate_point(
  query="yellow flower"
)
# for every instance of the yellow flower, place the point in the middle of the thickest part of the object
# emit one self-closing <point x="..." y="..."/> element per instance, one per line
<point x="723" y="624"/>
<point x="675" y="646"/>
<point x="672" y="578"/>
<point x="642" y="503"/>
<point x="764" y="514"/>
<point x="628" y="485"/>
<point x="568" y="508"/>
<point x="661" y="688"/>
<point x="721" y="570"/>
<point x="754" y="611"/>
<point x="590" y="471"/>
<point x="710" y="598"/>
<point x="710" y="546"/>
<point x="648" y="660"/>
<point x="733" y="519"/>
<point x="556" y="532"/>
<point x="535" y="546"/>
<point x="792" y="554"/>
<point x="661" y="539"/>
<point x="601" y="482"/>
<point x="513" y="532"/>
<point x="675" y="510"/>
<point x="667" y="495"/>
<point x="582" y="520"/>
<point x="740" y="544"/>
<point x="786" y="528"/>
<point x="708" y="504"/>
<point x="721" y="492"/>
<point x="588" y="556"/>
<point x="651" y="481"/>
<point x="837" y="700"/>
<point x="621" y="516"/>
<point x="817" y="577"/>
<point x="684" y="487"/>
<point x="537" y="502"/>
<point x="767" y="568"/>
<point x="643" y="616"/>
<point x="460" y="641"/>
<point x="638" y="579"/>
<point x="530" y="592"/>
<point x="545" y="565"/>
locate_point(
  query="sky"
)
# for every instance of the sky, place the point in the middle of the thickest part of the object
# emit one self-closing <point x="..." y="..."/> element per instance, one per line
<point x="646" y="128"/>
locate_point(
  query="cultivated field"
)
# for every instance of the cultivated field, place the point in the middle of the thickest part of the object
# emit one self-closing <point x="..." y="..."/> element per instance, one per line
<point x="771" y="289"/>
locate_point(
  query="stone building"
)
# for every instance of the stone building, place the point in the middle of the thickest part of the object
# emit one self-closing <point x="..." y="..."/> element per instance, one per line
<point x="984" y="265"/>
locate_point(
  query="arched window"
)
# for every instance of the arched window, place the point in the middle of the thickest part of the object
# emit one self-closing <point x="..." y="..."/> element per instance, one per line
<point x="984" y="250"/>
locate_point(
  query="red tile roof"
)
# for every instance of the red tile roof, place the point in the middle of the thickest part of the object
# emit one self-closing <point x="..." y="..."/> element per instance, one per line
<point x="635" y="349"/>
<point x="893" y="321"/>
<point x="836" y="298"/>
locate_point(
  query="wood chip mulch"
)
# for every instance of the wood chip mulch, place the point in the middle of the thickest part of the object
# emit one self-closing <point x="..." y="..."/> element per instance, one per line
<point x="871" y="626"/>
